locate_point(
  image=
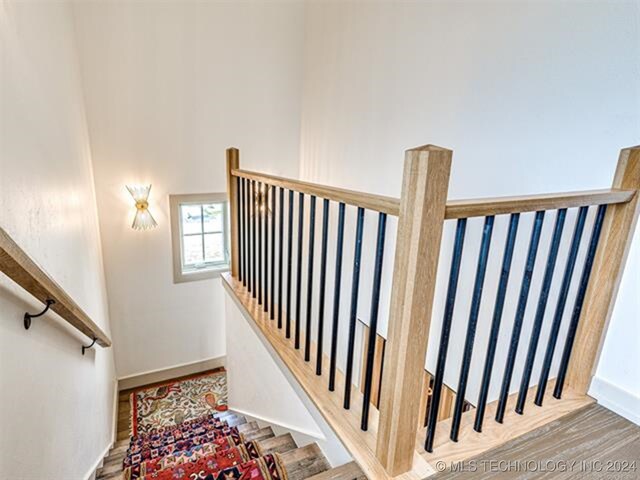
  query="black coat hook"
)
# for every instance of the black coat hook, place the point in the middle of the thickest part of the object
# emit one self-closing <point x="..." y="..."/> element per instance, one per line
<point x="87" y="347"/>
<point x="28" y="316"/>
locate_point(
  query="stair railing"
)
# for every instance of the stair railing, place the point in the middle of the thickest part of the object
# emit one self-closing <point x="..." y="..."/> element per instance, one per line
<point x="384" y="441"/>
<point x="23" y="270"/>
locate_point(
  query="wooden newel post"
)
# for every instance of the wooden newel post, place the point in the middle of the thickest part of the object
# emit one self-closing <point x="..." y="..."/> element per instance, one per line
<point x="613" y="248"/>
<point x="233" y="162"/>
<point x="422" y="210"/>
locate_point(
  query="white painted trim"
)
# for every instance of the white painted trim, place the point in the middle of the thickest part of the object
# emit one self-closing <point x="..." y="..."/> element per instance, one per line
<point x="616" y="399"/>
<point x="168" y="373"/>
<point x="179" y="365"/>
<point x="114" y="420"/>
<point x="321" y="422"/>
<point x="262" y="418"/>
<point x="90" y="474"/>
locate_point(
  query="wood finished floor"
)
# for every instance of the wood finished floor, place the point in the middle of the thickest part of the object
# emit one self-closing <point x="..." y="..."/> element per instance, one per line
<point x="592" y="443"/>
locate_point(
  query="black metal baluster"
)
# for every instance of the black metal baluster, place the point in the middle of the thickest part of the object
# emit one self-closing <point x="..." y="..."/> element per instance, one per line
<point x="577" y="309"/>
<point x="562" y="301"/>
<point x="312" y="234"/>
<point x="245" y="254"/>
<point x="323" y="278"/>
<point x="336" y="299"/>
<point x="517" y="323"/>
<point x="471" y="327"/>
<point x="239" y="224"/>
<point x="355" y="284"/>
<point x="542" y="305"/>
<point x="280" y="251"/>
<point x="452" y="287"/>
<point x="259" y="215"/>
<point x="273" y="252"/>
<point x="497" y="317"/>
<point x="373" y="320"/>
<point x="289" y="262"/>
<point x="253" y="235"/>
<point x="265" y="213"/>
<point x="299" y="270"/>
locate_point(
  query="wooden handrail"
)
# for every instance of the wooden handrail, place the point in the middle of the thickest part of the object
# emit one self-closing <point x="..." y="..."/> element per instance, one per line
<point x="17" y="265"/>
<point x="379" y="203"/>
<point x="482" y="207"/>
<point x="465" y="208"/>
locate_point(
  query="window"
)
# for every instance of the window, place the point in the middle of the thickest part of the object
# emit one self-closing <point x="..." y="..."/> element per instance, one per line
<point x="199" y="230"/>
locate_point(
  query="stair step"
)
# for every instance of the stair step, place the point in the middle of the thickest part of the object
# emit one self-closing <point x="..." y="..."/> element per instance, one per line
<point x="259" y="434"/>
<point x="235" y="420"/>
<point x="111" y="476"/>
<point x="348" y="471"/>
<point x="108" y="469"/>
<point x="115" y="458"/>
<point x="279" y="444"/>
<point x="247" y="427"/>
<point x="304" y="462"/>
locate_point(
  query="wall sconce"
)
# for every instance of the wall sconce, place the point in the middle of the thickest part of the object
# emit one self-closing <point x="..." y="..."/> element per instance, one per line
<point x="260" y="197"/>
<point x="143" y="219"/>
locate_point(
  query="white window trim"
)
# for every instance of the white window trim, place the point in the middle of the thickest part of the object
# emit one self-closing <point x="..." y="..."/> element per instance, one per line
<point x="176" y="235"/>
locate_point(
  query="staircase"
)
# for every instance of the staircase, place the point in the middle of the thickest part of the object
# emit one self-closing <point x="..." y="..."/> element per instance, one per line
<point x="297" y="463"/>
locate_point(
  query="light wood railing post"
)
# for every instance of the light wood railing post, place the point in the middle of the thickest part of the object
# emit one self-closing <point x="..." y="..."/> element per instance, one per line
<point x="422" y="211"/>
<point x="233" y="163"/>
<point x="613" y="248"/>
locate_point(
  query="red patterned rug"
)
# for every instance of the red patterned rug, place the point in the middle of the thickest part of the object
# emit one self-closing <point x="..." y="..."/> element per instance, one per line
<point x="179" y="401"/>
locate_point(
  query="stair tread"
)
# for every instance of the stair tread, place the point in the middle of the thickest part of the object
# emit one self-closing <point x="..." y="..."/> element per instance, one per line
<point x="110" y="476"/>
<point x="348" y="471"/>
<point x="279" y="444"/>
<point x="109" y="468"/>
<point x="248" y="427"/>
<point x="304" y="462"/>
<point x="259" y="434"/>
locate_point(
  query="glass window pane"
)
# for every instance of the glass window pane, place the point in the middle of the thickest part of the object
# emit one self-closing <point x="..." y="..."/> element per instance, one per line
<point x="213" y="217"/>
<point x="192" y="254"/>
<point x="214" y="247"/>
<point x="191" y="219"/>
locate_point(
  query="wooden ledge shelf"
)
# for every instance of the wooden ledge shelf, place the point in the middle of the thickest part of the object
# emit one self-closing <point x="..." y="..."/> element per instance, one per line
<point x="17" y="265"/>
<point x="345" y="423"/>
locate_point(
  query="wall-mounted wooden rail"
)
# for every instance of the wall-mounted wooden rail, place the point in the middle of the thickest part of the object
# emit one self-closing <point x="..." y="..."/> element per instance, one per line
<point x="17" y="265"/>
<point x="382" y="419"/>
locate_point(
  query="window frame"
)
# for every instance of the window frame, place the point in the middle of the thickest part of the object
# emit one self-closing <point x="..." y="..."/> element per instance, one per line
<point x="175" y="204"/>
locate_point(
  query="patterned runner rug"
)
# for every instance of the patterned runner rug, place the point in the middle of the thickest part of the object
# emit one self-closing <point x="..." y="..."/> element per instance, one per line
<point x="176" y="402"/>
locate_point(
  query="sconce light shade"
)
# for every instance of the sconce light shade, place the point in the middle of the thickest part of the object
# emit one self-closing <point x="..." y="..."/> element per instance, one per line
<point x="143" y="219"/>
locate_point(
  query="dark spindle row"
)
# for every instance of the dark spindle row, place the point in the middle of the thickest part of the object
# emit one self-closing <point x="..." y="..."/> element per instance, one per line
<point x="534" y="242"/>
<point x="261" y="214"/>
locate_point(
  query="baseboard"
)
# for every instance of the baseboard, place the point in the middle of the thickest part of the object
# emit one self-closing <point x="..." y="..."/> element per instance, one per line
<point x="90" y="475"/>
<point x="270" y="421"/>
<point x="162" y="374"/>
<point x="620" y="401"/>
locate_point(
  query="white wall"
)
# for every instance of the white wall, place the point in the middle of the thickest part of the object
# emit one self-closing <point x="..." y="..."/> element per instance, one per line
<point x="56" y="406"/>
<point x="169" y="86"/>
<point x="262" y="387"/>
<point x="531" y="96"/>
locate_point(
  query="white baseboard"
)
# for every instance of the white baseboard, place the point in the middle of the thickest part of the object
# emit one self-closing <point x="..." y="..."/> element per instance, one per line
<point x="616" y="399"/>
<point x="270" y="421"/>
<point x="90" y="475"/>
<point x="167" y="373"/>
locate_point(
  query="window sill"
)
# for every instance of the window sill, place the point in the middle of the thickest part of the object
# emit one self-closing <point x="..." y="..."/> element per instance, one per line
<point x="205" y="274"/>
